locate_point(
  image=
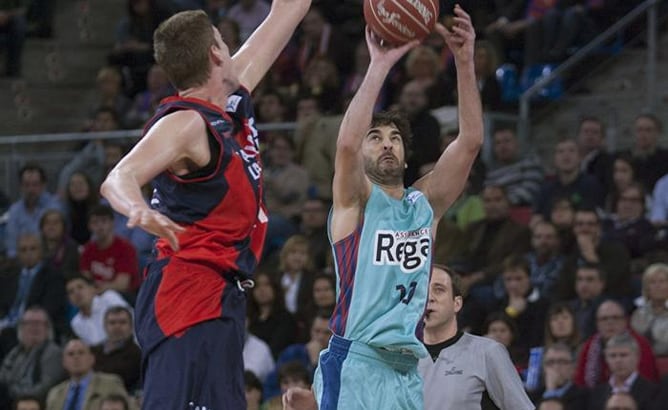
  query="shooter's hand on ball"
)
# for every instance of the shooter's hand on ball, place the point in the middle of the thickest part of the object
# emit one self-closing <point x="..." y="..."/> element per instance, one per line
<point x="383" y="53"/>
<point x="461" y="38"/>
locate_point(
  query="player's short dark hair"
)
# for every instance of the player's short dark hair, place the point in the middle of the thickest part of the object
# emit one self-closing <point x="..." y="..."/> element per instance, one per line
<point x="400" y="121"/>
<point x="101" y="210"/>
<point x="116" y="398"/>
<point x="455" y="279"/>
<point x="32" y="167"/>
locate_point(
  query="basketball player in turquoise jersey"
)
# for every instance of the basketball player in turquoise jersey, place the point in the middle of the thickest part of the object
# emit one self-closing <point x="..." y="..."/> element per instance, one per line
<point x="382" y="233"/>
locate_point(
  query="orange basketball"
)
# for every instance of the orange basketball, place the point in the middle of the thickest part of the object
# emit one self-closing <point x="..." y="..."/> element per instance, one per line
<point x="401" y="21"/>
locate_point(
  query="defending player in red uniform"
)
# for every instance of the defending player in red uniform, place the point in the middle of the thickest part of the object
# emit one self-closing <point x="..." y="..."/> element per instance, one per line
<point x="202" y="153"/>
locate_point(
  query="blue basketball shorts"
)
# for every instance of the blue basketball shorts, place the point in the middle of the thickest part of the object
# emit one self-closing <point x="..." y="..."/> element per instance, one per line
<point x="355" y="376"/>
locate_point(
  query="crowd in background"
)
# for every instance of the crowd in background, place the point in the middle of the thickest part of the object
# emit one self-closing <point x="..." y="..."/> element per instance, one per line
<point x="564" y="264"/>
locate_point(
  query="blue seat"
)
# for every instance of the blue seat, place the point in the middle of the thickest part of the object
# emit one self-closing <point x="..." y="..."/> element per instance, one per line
<point x="507" y="77"/>
<point x="534" y="73"/>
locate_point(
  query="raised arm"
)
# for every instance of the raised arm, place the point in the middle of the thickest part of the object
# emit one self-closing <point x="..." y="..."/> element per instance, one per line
<point x="262" y="48"/>
<point x="445" y="183"/>
<point x="350" y="187"/>
<point x="151" y="156"/>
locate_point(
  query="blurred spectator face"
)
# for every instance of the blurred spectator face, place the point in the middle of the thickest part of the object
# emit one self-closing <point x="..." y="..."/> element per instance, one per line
<point x="307" y="109"/>
<point x="550" y="405"/>
<point x="112" y="155"/>
<point x="610" y="320"/>
<point x="156" y="80"/>
<point x="53" y="226"/>
<point x="622" y="361"/>
<point x="590" y="135"/>
<point x="646" y="134"/>
<point x="78" y="187"/>
<point x="562" y="325"/>
<point x="290" y="382"/>
<point x="140" y="7"/>
<point x="77" y="358"/>
<point x="29" y="250"/>
<point x="516" y="282"/>
<point x="544" y="239"/>
<point x="321" y="72"/>
<point x="362" y="57"/>
<point x="505" y="146"/>
<point x="621" y="402"/>
<point x="586" y="223"/>
<point x="482" y="60"/>
<point x="566" y="156"/>
<point x="562" y="364"/>
<point x="28" y="404"/>
<point x="263" y="292"/>
<point x="109" y="82"/>
<point x="253" y="397"/>
<point x="104" y="121"/>
<point x="112" y="405"/>
<point x="413" y="98"/>
<point x="229" y="31"/>
<point x="320" y="332"/>
<point x="33" y="328"/>
<point x="495" y="203"/>
<point x="622" y="174"/>
<point x="656" y="286"/>
<point x="630" y="204"/>
<point x="296" y="258"/>
<point x="562" y="214"/>
<point x="271" y="108"/>
<point x="32" y="187"/>
<point x="588" y="283"/>
<point x="423" y="64"/>
<point x="499" y="331"/>
<point x="312" y="25"/>
<point x="314" y="214"/>
<point x="118" y="326"/>
<point x="80" y="293"/>
<point x="280" y="152"/>
<point x="323" y="293"/>
<point x="102" y="228"/>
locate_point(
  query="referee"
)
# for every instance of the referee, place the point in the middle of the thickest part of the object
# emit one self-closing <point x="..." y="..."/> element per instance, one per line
<point x="464" y="372"/>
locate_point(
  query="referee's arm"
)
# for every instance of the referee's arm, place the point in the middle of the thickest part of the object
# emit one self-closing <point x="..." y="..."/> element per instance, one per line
<point x="502" y="381"/>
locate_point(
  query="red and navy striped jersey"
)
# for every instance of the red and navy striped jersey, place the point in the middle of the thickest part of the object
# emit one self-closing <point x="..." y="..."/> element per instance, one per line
<point x="221" y="205"/>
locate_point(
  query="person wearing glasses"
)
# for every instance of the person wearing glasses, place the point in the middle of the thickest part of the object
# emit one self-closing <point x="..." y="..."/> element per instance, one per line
<point x="558" y="372"/>
<point x="611" y="320"/>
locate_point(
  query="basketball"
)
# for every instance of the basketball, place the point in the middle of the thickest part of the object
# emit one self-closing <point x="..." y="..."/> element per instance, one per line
<point x="400" y="21"/>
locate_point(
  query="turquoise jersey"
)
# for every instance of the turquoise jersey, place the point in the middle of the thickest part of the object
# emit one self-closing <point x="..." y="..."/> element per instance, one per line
<point x="383" y="272"/>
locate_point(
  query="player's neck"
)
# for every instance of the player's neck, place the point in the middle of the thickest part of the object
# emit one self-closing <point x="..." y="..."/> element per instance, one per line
<point x="440" y="334"/>
<point x="395" y="191"/>
<point x="210" y="92"/>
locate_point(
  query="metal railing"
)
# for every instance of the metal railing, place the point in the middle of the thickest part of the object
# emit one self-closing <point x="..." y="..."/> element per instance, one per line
<point x="14" y="156"/>
<point x="648" y="7"/>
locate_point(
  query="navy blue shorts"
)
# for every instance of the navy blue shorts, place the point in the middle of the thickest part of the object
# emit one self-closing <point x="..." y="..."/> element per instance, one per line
<point x="201" y="369"/>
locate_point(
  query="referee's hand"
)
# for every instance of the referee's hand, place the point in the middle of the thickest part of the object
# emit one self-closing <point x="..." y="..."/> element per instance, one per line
<point x="297" y="398"/>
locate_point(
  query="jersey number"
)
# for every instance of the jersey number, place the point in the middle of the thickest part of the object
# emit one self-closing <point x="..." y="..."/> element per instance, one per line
<point x="406" y="296"/>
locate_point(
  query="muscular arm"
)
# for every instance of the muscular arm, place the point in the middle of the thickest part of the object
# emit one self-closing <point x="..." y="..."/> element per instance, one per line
<point x="262" y="48"/>
<point x="351" y="188"/>
<point x="445" y="183"/>
<point x="176" y="138"/>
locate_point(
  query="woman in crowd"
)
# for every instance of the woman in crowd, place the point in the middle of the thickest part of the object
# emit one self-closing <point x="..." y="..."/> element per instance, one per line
<point x="560" y="326"/>
<point x="80" y="198"/>
<point x="60" y="251"/>
<point x="267" y="317"/>
<point x="651" y="318"/>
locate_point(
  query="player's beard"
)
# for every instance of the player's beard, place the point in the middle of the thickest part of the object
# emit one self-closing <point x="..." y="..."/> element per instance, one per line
<point x="384" y="173"/>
